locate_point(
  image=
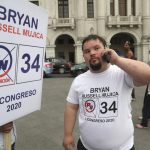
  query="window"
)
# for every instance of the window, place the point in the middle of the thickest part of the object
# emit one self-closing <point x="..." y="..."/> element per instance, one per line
<point x="35" y="2"/>
<point x="63" y="9"/>
<point x="133" y="7"/>
<point x="123" y="7"/>
<point x="112" y="11"/>
<point x="90" y="9"/>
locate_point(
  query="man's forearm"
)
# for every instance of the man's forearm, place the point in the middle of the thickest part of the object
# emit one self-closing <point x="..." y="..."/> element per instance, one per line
<point x="0" y="128"/>
<point x="69" y="119"/>
<point x="6" y="127"/>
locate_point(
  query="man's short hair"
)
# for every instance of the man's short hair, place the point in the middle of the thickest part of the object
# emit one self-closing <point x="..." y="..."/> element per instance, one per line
<point x="94" y="37"/>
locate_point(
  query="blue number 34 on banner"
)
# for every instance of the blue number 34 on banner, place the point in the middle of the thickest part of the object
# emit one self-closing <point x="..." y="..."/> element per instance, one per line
<point x="30" y="61"/>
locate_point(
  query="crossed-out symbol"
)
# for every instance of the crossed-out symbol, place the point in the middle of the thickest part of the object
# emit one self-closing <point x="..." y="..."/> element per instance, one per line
<point x="8" y="55"/>
<point x="90" y="106"/>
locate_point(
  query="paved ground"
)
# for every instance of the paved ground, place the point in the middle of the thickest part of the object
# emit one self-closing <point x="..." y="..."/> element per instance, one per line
<point x="43" y="130"/>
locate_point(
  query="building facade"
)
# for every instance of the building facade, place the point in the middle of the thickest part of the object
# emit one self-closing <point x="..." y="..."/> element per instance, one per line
<point x="115" y="20"/>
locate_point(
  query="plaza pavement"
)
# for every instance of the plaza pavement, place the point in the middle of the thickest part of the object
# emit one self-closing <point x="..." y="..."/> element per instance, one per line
<point x="43" y="130"/>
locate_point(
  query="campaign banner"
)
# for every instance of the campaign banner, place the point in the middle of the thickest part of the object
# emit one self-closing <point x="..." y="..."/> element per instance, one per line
<point x="23" y="31"/>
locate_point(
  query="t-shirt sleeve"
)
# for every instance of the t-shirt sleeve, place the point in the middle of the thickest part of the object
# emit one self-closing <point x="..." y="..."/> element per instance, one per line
<point x="73" y="94"/>
<point x="129" y="80"/>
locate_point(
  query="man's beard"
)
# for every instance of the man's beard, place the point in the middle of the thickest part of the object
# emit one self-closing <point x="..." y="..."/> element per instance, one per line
<point x="95" y="67"/>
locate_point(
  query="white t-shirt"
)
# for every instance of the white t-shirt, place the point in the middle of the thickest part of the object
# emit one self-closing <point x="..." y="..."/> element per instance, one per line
<point x="13" y="138"/>
<point x="105" y="119"/>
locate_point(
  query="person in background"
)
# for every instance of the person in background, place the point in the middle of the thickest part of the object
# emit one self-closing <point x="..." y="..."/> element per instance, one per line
<point x="102" y="95"/>
<point x="9" y="127"/>
<point x="128" y="53"/>
<point x="146" y="108"/>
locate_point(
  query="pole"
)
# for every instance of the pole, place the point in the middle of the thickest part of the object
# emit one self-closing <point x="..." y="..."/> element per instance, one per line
<point x="7" y="141"/>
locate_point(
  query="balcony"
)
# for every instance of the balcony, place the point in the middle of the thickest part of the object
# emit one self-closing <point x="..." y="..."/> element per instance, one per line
<point x="62" y="23"/>
<point x="124" y="21"/>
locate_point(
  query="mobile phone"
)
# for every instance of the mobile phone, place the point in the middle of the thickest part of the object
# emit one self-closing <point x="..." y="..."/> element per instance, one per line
<point x="106" y="57"/>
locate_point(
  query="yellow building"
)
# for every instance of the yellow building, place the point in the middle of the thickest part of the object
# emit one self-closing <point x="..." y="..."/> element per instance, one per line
<point x="115" y="20"/>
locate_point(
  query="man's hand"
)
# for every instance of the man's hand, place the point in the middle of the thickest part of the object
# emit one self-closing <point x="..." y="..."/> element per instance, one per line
<point x="113" y="56"/>
<point x="68" y="142"/>
<point x="6" y="128"/>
